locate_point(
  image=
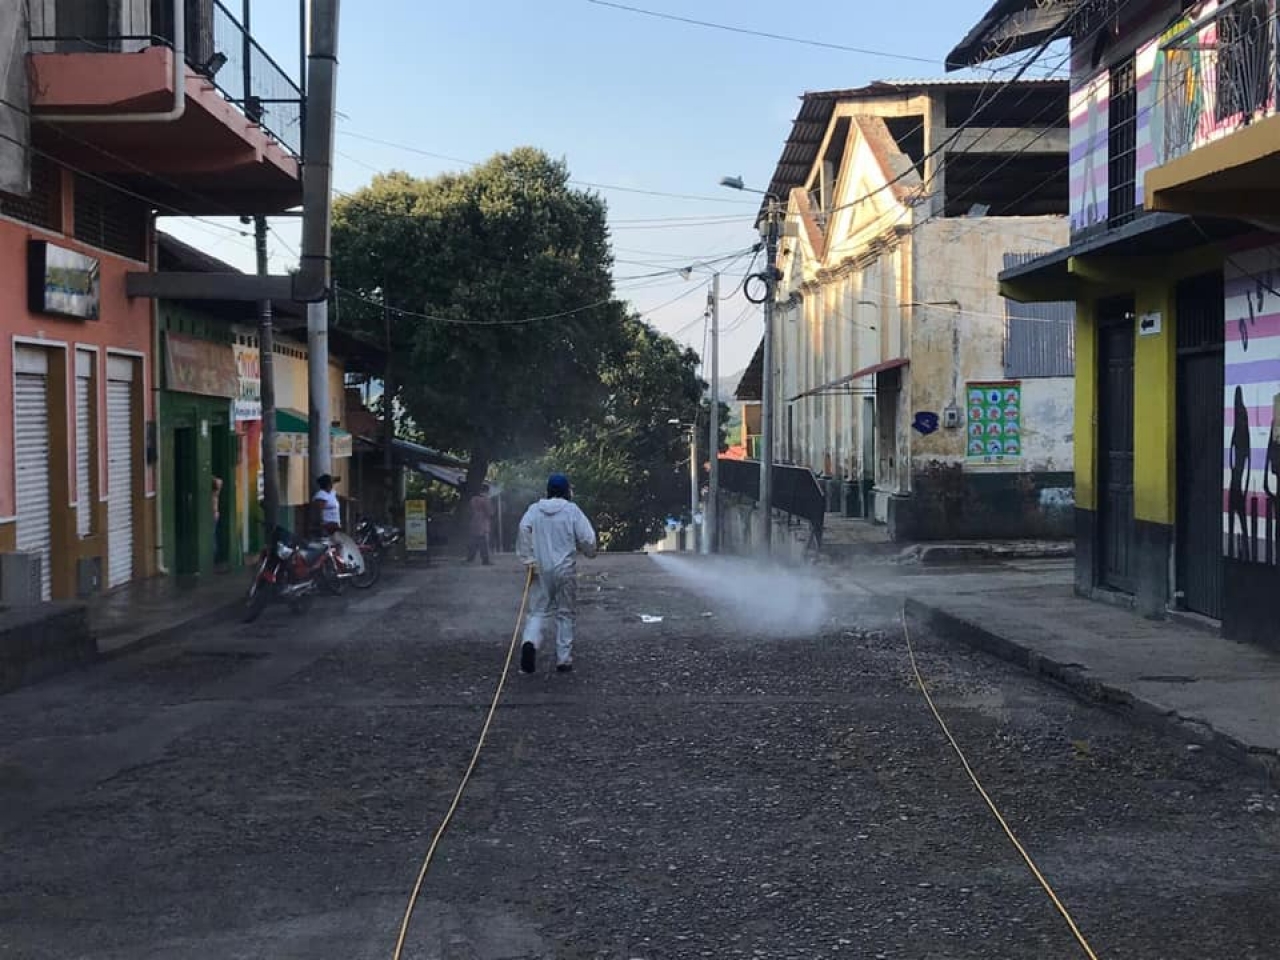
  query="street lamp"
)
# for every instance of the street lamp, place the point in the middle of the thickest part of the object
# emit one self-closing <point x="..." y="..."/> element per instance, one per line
<point x="770" y="232"/>
<point x="693" y="477"/>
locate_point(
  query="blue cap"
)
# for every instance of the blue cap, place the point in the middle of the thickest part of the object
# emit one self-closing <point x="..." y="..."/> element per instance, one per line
<point x="557" y="485"/>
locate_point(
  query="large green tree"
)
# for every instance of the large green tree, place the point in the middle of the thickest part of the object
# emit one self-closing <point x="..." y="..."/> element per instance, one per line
<point x="513" y="266"/>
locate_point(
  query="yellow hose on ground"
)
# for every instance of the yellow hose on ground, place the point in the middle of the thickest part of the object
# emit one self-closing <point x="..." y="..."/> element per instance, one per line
<point x="466" y="776"/>
<point x="1066" y="915"/>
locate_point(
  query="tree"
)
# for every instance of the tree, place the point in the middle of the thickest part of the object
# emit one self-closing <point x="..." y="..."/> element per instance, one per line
<point x="483" y="252"/>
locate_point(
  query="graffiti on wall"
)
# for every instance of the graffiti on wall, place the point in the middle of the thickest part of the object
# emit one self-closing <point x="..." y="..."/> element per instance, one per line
<point x="994" y="433"/>
<point x="1251" y="463"/>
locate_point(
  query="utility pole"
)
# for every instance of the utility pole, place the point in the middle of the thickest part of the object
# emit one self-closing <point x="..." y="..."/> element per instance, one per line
<point x="766" y="387"/>
<point x="693" y="485"/>
<point x="711" y="516"/>
<point x="388" y="410"/>
<point x="266" y="365"/>
<point x="322" y="60"/>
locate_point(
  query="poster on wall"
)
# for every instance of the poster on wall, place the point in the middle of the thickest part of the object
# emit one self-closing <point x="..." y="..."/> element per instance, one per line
<point x="994" y="432"/>
<point x="1251" y="458"/>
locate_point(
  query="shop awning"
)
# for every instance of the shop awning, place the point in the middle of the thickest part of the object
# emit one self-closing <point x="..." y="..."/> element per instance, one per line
<point x="845" y="384"/>
<point x="293" y="436"/>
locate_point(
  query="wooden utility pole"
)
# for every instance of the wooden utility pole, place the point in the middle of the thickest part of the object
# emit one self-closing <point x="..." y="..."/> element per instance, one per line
<point x="266" y="365"/>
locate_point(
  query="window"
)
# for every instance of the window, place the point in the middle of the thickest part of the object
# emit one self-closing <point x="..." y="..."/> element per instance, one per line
<point x="110" y="220"/>
<point x="1039" y="338"/>
<point x="40" y="207"/>
<point x="1122" y="146"/>
<point x="1244" y="59"/>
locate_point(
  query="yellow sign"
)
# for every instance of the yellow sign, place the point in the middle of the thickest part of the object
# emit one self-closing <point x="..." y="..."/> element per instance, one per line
<point x="415" y="525"/>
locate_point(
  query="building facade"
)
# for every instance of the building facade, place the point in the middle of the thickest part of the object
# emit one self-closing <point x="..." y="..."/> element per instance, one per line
<point x="97" y="138"/>
<point x="1175" y="143"/>
<point x="902" y="375"/>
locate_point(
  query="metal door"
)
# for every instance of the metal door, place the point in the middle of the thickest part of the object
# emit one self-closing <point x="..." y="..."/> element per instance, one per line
<point x="31" y="459"/>
<point x="1115" y="447"/>
<point x="84" y="442"/>
<point x="120" y="464"/>
<point x="1198" y="537"/>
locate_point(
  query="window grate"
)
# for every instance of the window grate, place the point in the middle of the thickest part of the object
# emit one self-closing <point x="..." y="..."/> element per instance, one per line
<point x="110" y="220"/>
<point x="40" y="207"/>
<point x="1039" y="338"/>
<point x="1122" y="146"/>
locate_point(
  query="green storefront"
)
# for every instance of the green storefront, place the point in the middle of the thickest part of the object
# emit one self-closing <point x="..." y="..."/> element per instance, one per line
<point x="198" y="444"/>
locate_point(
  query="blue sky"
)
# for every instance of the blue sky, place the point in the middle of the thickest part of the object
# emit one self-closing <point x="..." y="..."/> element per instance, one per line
<point x="627" y="100"/>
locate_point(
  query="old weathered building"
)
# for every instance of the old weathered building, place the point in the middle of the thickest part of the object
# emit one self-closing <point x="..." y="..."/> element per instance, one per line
<point x="899" y="367"/>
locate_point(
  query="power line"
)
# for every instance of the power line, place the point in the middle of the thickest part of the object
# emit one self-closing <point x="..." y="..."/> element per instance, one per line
<point x="763" y="34"/>
<point x="594" y="185"/>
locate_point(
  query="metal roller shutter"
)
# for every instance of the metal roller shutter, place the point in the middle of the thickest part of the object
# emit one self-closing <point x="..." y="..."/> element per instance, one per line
<point x="31" y="448"/>
<point x="120" y="454"/>
<point x="84" y="446"/>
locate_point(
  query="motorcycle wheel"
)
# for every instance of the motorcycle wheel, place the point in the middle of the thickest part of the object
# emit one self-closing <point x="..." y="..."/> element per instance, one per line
<point x="330" y="582"/>
<point x="258" y="597"/>
<point x="372" y="571"/>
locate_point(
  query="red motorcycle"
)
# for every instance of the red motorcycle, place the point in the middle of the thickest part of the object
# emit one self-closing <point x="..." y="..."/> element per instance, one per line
<point x="289" y="570"/>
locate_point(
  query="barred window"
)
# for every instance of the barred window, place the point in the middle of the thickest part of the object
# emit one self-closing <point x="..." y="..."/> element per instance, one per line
<point x="41" y="207"/>
<point x="1039" y="338"/>
<point x="110" y="220"/>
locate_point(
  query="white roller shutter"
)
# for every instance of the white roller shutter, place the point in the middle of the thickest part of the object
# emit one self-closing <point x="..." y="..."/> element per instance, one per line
<point x="31" y="448"/>
<point x="120" y="454"/>
<point x="84" y="442"/>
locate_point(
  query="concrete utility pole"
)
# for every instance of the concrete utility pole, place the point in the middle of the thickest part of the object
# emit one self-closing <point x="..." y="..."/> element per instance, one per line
<point x="266" y="372"/>
<point x="322" y="66"/>
<point x="711" y="517"/>
<point x="766" y="387"/>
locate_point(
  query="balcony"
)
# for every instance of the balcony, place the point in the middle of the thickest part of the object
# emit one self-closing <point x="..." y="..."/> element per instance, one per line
<point x="235" y="143"/>
<point x="1216" y="127"/>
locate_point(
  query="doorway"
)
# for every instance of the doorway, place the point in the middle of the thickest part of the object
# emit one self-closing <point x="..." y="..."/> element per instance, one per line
<point x="1116" y="330"/>
<point x="186" y="526"/>
<point x="223" y="469"/>
<point x="1198" y="537"/>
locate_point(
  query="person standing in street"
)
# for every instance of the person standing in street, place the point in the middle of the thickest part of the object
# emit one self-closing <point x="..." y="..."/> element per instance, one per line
<point x="326" y="511"/>
<point x="553" y="532"/>
<point x="480" y="522"/>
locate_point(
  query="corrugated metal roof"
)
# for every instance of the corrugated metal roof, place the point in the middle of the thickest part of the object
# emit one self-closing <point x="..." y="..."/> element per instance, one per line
<point x="1008" y="27"/>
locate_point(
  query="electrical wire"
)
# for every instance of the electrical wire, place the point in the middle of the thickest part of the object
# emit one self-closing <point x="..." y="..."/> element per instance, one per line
<point x="590" y="184"/>
<point x="763" y="34"/>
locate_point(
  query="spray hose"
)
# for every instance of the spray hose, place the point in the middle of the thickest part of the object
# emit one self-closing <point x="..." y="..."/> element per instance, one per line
<point x="1035" y="871"/>
<point x="466" y="776"/>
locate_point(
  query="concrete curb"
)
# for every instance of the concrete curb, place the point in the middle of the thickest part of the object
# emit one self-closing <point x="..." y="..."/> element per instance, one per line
<point x="942" y="554"/>
<point x="1077" y="680"/>
<point x="171" y="631"/>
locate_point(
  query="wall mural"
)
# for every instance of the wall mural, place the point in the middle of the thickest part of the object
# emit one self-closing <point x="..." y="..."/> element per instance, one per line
<point x="994" y="433"/>
<point x="1251" y="468"/>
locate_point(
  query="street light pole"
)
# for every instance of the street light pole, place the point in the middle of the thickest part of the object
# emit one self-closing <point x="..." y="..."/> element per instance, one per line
<point x="766" y="385"/>
<point x="711" y="516"/>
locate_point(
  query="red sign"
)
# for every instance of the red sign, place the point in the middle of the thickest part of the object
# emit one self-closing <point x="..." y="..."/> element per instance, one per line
<point x="198" y="366"/>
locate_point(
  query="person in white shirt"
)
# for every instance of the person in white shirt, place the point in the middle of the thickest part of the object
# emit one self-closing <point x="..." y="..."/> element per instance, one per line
<point x="325" y="509"/>
<point x="552" y="534"/>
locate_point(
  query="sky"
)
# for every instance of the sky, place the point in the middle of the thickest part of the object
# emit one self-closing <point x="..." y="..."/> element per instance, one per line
<point x="627" y="100"/>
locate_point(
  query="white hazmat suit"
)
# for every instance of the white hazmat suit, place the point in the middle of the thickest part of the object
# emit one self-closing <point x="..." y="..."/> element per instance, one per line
<point x="552" y="533"/>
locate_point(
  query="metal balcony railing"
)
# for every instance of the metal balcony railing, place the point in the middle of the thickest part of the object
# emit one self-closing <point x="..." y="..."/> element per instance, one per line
<point x="1216" y="76"/>
<point x="218" y="48"/>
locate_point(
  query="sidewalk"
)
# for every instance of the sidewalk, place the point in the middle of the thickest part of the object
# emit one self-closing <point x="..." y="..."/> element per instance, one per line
<point x="1182" y="678"/>
<point x="149" y="611"/>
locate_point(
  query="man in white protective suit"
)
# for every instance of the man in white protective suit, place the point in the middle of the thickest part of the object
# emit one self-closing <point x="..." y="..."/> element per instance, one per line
<point x="553" y="532"/>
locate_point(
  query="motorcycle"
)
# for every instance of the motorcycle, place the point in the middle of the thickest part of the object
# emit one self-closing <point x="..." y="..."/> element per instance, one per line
<point x="287" y="570"/>
<point x="373" y="540"/>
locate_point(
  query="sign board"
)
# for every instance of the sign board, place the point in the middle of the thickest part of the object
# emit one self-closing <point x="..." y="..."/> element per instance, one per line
<point x="1149" y="324"/>
<point x="248" y="372"/>
<point x="299" y="445"/>
<point x="994" y="432"/>
<point x="62" y="282"/>
<point x="200" y="366"/>
<point x="415" y="525"/>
